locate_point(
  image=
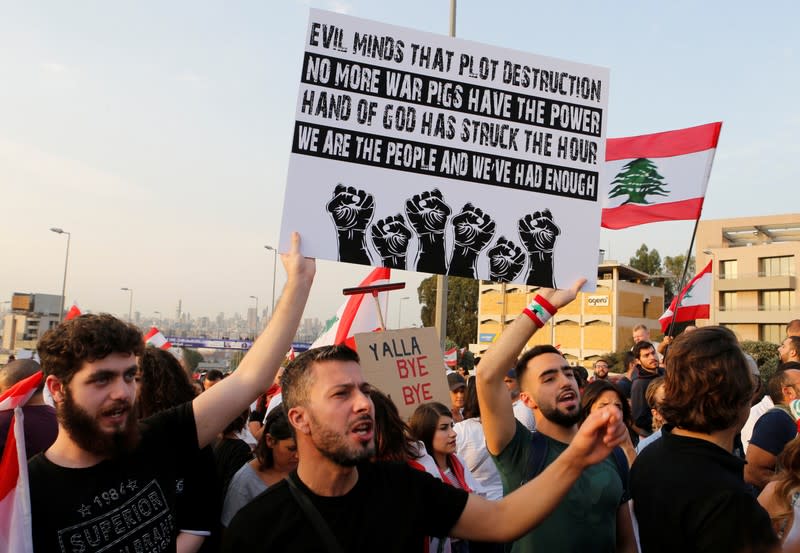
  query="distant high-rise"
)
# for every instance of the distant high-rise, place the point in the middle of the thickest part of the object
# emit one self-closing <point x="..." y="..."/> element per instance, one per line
<point x="178" y="311"/>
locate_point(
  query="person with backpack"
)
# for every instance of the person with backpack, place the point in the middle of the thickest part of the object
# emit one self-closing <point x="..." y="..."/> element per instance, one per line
<point x="598" y="499"/>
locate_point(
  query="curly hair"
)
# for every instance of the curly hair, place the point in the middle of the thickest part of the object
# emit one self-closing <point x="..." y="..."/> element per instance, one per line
<point x="707" y="382"/>
<point x="424" y="420"/>
<point x="276" y="426"/>
<point x="64" y="348"/>
<point x="296" y="380"/>
<point x="592" y="393"/>
<point x="162" y="383"/>
<point x="392" y="435"/>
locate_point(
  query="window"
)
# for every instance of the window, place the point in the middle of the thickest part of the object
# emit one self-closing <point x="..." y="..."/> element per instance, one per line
<point x="729" y="268"/>
<point x="772" y="333"/>
<point x="776" y="266"/>
<point x="727" y="301"/>
<point x="776" y="300"/>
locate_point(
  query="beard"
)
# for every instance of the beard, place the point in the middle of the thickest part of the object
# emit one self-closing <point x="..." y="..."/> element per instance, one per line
<point x="85" y="431"/>
<point x="561" y="418"/>
<point x="335" y="446"/>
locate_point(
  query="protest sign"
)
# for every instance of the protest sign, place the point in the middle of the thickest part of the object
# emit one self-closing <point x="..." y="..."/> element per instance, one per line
<point x="433" y="154"/>
<point x="407" y="365"/>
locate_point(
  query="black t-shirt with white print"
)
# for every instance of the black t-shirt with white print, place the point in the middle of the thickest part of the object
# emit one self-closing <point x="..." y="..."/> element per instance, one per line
<point x="121" y="505"/>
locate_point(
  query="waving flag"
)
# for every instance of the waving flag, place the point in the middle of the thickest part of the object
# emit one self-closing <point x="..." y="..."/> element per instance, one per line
<point x="694" y="301"/>
<point x="358" y="314"/>
<point x="73" y="312"/>
<point x="658" y="177"/>
<point x="451" y="357"/>
<point x="156" y="339"/>
<point x="15" y="499"/>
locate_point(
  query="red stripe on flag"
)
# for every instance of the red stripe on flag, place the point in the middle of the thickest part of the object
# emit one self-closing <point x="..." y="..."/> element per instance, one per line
<point x="664" y="144"/>
<point x="10" y="468"/>
<point x="628" y="215"/>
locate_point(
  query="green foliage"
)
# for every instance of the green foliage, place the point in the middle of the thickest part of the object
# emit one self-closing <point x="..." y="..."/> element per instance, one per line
<point x="673" y="270"/>
<point x="462" y="308"/>
<point x="765" y="354"/>
<point x="236" y="358"/>
<point x="638" y="179"/>
<point x="191" y="358"/>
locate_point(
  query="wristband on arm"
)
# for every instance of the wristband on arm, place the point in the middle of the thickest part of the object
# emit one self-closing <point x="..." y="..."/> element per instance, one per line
<point x="540" y="310"/>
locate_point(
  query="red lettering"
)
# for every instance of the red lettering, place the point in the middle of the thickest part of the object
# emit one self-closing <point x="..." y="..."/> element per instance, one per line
<point x="412" y="367"/>
<point x="426" y="392"/>
<point x="402" y="369"/>
<point x="417" y="393"/>
<point x="421" y="365"/>
<point x="408" y="395"/>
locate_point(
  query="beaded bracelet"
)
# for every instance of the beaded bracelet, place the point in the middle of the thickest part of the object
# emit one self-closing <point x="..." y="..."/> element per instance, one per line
<point x="540" y="310"/>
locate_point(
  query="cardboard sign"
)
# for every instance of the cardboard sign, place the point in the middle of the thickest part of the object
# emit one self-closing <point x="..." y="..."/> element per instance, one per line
<point x="422" y="152"/>
<point x="407" y="365"/>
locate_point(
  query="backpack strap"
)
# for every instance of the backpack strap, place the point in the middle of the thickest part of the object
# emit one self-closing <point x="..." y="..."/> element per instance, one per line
<point x="314" y="516"/>
<point x="536" y="457"/>
<point x="621" y="461"/>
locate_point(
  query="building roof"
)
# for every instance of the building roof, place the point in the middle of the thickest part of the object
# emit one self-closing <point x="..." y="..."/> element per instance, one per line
<point x="626" y="272"/>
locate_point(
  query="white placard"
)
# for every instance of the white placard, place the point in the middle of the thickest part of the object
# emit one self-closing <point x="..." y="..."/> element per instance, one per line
<point x="423" y="152"/>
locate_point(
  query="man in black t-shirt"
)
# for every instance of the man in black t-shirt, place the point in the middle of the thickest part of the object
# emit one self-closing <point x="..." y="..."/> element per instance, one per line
<point x="687" y="487"/>
<point x="108" y="482"/>
<point x="385" y="507"/>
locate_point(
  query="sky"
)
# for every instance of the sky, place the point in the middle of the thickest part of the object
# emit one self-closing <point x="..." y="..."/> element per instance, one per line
<point x="158" y="133"/>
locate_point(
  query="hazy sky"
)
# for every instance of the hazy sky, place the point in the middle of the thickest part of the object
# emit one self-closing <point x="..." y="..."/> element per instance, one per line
<point x="158" y="133"/>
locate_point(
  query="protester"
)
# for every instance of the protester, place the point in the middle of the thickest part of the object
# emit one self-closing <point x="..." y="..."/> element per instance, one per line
<point x="647" y="370"/>
<point x="39" y="422"/>
<point x="471" y="446"/>
<point x="458" y="389"/>
<point x="162" y="385"/>
<point x="625" y="382"/>
<point x="773" y="430"/>
<point x="521" y="411"/>
<point x="793" y="328"/>
<point x="389" y="507"/>
<point x="789" y="350"/>
<point x="393" y="441"/>
<point x="760" y="404"/>
<point x="230" y="451"/>
<point x="276" y="457"/>
<point x="600" y="368"/>
<point x="108" y="481"/>
<point x="642" y="334"/>
<point x="214" y="376"/>
<point x="602" y="393"/>
<point x="548" y="386"/>
<point x="780" y="498"/>
<point x="258" y="411"/>
<point x="687" y="487"/>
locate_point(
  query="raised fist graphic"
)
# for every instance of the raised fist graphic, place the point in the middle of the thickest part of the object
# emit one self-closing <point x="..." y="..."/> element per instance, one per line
<point x="391" y="236"/>
<point x="351" y="210"/>
<point x="428" y="214"/>
<point x="473" y="229"/>
<point x="506" y="260"/>
<point x="538" y="233"/>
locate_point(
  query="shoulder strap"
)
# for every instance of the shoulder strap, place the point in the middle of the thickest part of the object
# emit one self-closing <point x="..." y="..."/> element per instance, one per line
<point x="316" y="519"/>
<point x="536" y="457"/>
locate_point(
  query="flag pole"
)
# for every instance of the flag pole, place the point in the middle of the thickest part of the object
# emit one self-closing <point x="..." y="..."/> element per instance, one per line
<point x="682" y="282"/>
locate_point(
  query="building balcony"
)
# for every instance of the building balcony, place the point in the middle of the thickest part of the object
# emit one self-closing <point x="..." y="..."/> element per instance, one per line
<point x="753" y="316"/>
<point x="756" y="281"/>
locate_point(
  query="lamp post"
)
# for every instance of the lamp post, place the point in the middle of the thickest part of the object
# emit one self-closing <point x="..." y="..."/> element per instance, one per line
<point x="130" y="302"/>
<point x="255" y="330"/>
<point x="400" y="309"/>
<point x="66" y="263"/>
<point x="714" y="294"/>
<point x="274" y="265"/>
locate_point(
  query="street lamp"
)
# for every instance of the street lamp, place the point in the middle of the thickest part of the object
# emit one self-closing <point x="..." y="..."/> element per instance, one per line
<point x="400" y="309"/>
<point x="130" y="302"/>
<point x="66" y="263"/>
<point x="256" y="298"/>
<point x="274" y="265"/>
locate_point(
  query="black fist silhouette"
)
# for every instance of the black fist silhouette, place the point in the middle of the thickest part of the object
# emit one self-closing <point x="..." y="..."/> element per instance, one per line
<point x="505" y="260"/>
<point x="351" y="208"/>
<point x="391" y="236"/>
<point x="473" y="228"/>
<point x="427" y="212"/>
<point x="538" y="232"/>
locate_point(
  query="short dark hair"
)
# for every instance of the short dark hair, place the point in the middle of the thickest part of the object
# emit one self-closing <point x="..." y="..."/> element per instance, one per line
<point x="423" y="421"/>
<point x="777" y="382"/>
<point x="17" y="371"/>
<point x="472" y="408"/>
<point x="214" y="374"/>
<point x="707" y="382"/>
<point x="64" y="348"/>
<point x="522" y="363"/>
<point x="594" y="390"/>
<point x="163" y="383"/>
<point x="601" y="360"/>
<point x="296" y="379"/>
<point x="639" y="346"/>
<point x="795" y="343"/>
<point x="277" y="426"/>
<point x="627" y="359"/>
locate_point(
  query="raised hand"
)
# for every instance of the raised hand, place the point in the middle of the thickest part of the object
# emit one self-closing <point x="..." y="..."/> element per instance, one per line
<point x="472" y="230"/>
<point x="428" y="214"/>
<point x="538" y="233"/>
<point x="390" y="237"/>
<point x="351" y="210"/>
<point x="506" y="260"/>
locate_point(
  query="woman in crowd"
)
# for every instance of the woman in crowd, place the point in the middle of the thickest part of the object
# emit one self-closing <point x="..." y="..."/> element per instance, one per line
<point x="601" y="393"/>
<point x="231" y="452"/>
<point x="276" y="457"/>
<point x="781" y="497"/>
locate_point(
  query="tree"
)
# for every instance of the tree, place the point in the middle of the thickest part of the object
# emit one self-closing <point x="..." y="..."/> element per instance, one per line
<point x="673" y="269"/>
<point x="462" y="307"/>
<point x="191" y="358"/>
<point x="638" y="179"/>
<point x="647" y="261"/>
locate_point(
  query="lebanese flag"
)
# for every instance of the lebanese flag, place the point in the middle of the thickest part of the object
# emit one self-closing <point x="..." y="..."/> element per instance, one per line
<point x="358" y="314"/>
<point x="73" y="312"/>
<point x="290" y="355"/>
<point x="451" y="357"/>
<point x="658" y="177"/>
<point x="694" y="301"/>
<point x="15" y="499"/>
<point x="156" y="339"/>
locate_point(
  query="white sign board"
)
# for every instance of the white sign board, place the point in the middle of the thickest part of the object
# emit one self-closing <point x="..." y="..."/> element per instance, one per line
<point x="597" y="301"/>
<point x="432" y="154"/>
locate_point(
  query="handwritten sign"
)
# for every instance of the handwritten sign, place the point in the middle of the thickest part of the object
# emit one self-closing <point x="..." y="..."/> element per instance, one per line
<point x="407" y="365"/>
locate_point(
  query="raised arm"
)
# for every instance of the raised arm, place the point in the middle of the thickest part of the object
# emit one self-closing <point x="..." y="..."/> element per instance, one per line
<point x="497" y="415"/>
<point x="515" y="514"/>
<point x="220" y="404"/>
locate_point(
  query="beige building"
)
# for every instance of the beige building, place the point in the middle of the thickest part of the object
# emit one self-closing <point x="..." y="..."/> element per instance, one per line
<point x="594" y="324"/>
<point x="30" y="317"/>
<point x="755" y="287"/>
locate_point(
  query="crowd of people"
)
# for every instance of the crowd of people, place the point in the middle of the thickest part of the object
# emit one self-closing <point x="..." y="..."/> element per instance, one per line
<point x="683" y="450"/>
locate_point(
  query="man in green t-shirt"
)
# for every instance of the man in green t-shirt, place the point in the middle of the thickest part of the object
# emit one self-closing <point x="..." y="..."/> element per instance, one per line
<point x="594" y="515"/>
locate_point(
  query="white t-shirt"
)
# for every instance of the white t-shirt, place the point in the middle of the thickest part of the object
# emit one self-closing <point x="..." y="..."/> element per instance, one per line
<point x="524" y="415"/>
<point x="471" y="447"/>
